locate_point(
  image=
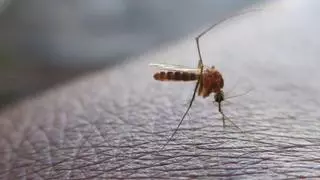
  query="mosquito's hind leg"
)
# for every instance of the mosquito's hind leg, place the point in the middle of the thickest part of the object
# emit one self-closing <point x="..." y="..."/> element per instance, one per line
<point x="200" y="62"/>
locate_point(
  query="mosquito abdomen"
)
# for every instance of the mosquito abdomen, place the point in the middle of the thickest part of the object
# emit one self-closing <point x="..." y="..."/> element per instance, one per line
<point x="175" y="76"/>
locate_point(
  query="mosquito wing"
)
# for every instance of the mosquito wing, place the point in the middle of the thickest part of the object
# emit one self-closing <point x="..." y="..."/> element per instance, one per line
<point x="174" y="67"/>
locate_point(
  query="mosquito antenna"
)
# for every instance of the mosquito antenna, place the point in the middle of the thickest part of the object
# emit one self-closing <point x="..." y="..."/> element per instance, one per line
<point x="238" y="95"/>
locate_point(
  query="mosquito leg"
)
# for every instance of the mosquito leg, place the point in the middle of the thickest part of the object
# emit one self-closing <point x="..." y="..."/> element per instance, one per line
<point x="200" y="63"/>
<point x="199" y="82"/>
<point x="184" y="115"/>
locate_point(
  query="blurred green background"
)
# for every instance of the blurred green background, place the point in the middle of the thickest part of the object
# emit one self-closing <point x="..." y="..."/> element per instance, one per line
<point x="47" y="42"/>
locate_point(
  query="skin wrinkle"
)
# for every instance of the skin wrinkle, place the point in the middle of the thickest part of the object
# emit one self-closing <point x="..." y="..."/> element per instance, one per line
<point x="106" y="138"/>
<point x="15" y="153"/>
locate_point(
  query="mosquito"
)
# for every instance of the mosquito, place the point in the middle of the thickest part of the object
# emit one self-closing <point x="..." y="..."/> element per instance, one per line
<point x="209" y="79"/>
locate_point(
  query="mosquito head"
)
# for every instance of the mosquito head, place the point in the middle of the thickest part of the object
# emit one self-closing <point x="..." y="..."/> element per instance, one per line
<point x="219" y="97"/>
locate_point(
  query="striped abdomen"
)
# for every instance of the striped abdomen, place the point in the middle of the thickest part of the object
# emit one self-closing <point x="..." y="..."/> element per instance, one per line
<point x="175" y="76"/>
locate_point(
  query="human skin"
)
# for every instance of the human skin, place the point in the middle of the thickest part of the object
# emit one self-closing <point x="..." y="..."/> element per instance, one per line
<point x="113" y="123"/>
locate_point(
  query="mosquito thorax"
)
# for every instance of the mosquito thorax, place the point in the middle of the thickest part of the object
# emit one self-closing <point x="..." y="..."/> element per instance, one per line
<point x="212" y="82"/>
